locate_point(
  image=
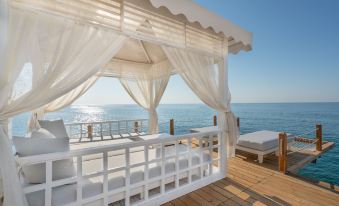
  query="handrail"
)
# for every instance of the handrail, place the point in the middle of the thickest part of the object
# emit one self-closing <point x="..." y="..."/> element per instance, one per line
<point x="108" y="121"/>
<point x="79" y="130"/>
<point x="36" y="159"/>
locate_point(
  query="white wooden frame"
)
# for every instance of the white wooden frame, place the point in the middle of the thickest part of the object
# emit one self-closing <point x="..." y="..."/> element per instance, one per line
<point x="208" y="172"/>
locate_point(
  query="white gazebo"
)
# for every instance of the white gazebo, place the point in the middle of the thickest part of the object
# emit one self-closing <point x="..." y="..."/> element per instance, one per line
<point x="52" y="52"/>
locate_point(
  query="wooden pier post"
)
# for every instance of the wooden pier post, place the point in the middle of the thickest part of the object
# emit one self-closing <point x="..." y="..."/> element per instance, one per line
<point x="238" y="122"/>
<point x="283" y="152"/>
<point x="136" y="127"/>
<point x="319" y="135"/>
<point x="215" y="121"/>
<point x="171" y="126"/>
<point x="90" y="131"/>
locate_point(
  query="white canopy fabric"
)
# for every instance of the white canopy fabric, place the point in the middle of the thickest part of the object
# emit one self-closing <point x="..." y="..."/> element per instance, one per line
<point x="60" y="103"/>
<point x="208" y="77"/>
<point x="62" y="54"/>
<point x="147" y="89"/>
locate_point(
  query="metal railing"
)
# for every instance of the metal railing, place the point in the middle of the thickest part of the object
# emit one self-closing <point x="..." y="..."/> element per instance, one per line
<point x="106" y="128"/>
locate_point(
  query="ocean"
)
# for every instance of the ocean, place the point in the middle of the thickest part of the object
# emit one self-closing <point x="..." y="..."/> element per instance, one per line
<point x="295" y="118"/>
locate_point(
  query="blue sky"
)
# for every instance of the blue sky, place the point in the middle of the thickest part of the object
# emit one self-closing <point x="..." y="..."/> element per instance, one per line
<point x="295" y="56"/>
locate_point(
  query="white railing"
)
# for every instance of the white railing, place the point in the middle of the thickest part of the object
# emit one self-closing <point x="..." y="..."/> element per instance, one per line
<point x="168" y="168"/>
<point x="81" y="130"/>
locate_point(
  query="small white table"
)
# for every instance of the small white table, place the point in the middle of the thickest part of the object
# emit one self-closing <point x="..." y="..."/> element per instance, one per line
<point x="205" y="129"/>
<point x="154" y="136"/>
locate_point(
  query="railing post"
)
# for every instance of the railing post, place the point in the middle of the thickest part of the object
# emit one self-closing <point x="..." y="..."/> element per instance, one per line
<point x="136" y="127"/>
<point x="90" y="131"/>
<point x="215" y="121"/>
<point x="319" y="135"/>
<point x="238" y="122"/>
<point x="283" y="152"/>
<point x="171" y="126"/>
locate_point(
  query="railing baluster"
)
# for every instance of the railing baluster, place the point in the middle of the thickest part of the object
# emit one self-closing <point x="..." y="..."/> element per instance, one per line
<point x="126" y="127"/>
<point x="146" y="172"/>
<point x="48" y="189"/>
<point x="119" y="128"/>
<point x="210" y="145"/>
<point x="110" y="129"/>
<point x="101" y="131"/>
<point x="176" y="164"/>
<point x="79" y="180"/>
<point x="189" y="160"/>
<point x="201" y="157"/>
<point x="128" y="177"/>
<point x="105" y="183"/>
<point x="80" y="131"/>
<point x="163" y="160"/>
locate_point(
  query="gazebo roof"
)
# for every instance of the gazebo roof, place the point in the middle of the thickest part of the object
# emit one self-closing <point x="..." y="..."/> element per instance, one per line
<point x="195" y="13"/>
<point x="179" y="23"/>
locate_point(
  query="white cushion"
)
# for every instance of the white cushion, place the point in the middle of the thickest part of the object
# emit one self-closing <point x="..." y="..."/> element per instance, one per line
<point x="66" y="194"/>
<point x="42" y="133"/>
<point x="35" y="146"/>
<point x="56" y="127"/>
<point x="261" y="140"/>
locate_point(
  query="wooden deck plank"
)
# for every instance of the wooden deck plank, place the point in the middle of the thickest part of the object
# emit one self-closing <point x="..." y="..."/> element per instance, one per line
<point x="251" y="183"/>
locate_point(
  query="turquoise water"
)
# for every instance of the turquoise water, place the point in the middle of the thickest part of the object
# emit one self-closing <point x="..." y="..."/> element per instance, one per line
<point x="295" y="118"/>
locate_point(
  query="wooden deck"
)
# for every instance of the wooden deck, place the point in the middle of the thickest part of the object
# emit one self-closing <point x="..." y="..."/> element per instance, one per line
<point x="251" y="183"/>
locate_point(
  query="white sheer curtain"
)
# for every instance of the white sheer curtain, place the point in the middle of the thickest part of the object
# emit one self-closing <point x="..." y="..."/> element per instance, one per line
<point x="146" y="89"/>
<point x="44" y="58"/>
<point x="60" y="103"/>
<point x="207" y="77"/>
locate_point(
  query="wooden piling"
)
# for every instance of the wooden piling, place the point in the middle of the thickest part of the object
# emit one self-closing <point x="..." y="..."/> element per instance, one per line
<point x="215" y="121"/>
<point x="90" y="131"/>
<point x="319" y="136"/>
<point x="283" y="152"/>
<point x="171" y="126"/>
<point x="238" y="122"/>
<point x="136" y="127"/>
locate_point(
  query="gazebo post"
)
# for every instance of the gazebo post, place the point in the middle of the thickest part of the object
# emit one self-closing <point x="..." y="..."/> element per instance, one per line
<point x="171" y="126"/>
<point x="283" y="152"/>
<point x="136" y="126"/>
<point x="319" y="135"/>
<point x="215" y="121"/>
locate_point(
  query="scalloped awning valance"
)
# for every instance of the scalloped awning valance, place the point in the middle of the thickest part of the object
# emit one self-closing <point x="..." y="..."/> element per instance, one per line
<point x="195" y="13"/>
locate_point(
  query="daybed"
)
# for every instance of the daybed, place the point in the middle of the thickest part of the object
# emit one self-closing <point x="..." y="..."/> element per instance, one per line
<point x="260" y="143"/>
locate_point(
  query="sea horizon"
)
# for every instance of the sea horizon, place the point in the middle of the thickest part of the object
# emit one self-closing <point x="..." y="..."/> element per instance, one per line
<point x="132" y="103"/>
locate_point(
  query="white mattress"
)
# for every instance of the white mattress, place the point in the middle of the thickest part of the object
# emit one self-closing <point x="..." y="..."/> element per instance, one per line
<point x="261" y="140"/>
<point x="67" y="193"/>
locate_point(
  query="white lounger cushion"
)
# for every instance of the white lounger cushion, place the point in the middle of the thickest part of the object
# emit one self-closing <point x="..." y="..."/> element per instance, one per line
<point x="261" y="140"/>
<point x="67" y="193"/>
<point x="56" y="127"/>
<point x="42" y="133"/>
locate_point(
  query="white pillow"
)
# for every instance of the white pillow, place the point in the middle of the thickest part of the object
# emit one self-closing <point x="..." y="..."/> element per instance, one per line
<point x="35" y="146"/>
<point x="56" y="127"/>
<point x="42" y="133"/>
